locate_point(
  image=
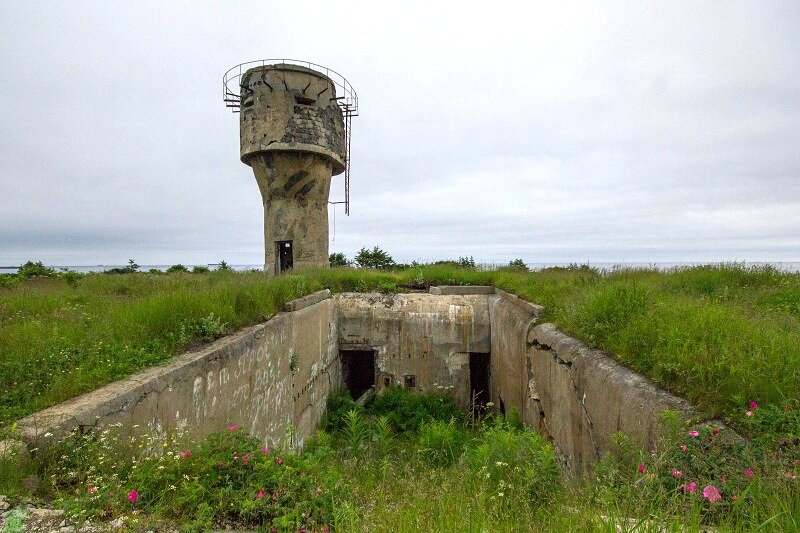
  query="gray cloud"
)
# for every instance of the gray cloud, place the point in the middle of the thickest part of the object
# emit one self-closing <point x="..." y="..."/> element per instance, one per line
<point x="572" y="133"/>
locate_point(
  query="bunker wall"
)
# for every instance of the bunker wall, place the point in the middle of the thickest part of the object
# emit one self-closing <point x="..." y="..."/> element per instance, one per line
<point x="423" y="337"/>
<point x="262" y="379"/>
<point x="576" y="396"/>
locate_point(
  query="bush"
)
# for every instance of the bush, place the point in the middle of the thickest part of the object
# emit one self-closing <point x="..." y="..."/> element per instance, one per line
<point x="440" y="443"/>
<point x="33" y="270"/>
<point x="518" y="265"/>
<point x="177" y="268"/>
<point x="375" y="258"/>
<point x="199" y="270"/>
<point x="338" y="259"/>
<point x="226" y="478"/>
<point x="514" y="464"/>
<point x="406" y="411"/>
<point x="339" y="403"/>
<point x="130" y="269"/>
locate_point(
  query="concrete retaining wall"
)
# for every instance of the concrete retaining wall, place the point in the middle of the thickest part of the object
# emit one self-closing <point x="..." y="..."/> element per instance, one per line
<point x="269" y="377"/>
<point x="263" y="379"/>
<point x="576" y="396"/>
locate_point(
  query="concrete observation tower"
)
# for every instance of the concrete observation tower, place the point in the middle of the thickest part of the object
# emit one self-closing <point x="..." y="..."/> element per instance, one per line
<point x="294" y="132"/>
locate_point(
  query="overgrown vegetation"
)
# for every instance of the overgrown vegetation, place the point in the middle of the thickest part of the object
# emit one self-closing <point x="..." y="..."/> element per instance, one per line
<point x="443" y="470"/>
<point x="720" y="336"/>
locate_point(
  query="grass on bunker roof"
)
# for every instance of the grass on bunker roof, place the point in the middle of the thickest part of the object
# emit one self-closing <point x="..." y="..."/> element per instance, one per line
<point x="721" y="336"/>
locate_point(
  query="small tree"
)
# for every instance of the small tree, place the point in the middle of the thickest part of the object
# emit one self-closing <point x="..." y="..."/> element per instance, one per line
<point x="518" y="264"/>
<point x="338" y="259"/>
<point x="32" y="270"/>
<point x="223" y="266"/>
<point x="375" y="258"/>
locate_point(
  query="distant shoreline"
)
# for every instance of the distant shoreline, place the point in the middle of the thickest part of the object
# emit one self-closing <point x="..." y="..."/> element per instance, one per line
<point x="783" y="266"/>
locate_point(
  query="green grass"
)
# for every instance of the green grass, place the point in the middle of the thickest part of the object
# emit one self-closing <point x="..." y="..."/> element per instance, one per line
<point x="434" y="469"/>
<point x="719" y="336"/>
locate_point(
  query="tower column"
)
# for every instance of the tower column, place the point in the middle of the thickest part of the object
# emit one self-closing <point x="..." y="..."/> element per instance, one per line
<point x="294" y="189"/>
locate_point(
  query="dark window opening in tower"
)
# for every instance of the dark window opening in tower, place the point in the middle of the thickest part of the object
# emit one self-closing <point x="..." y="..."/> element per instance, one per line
<point x="304" y="100"/>
<point x="358" y="371"/>
<point x="283" y="256"/>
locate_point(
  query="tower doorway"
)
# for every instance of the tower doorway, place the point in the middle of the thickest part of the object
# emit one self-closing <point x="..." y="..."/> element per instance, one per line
<point x="283" y="256"/>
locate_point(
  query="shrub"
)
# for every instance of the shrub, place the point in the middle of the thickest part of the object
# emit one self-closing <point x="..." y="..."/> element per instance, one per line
<point x="199" y="269"/>
<point x="440" y="443"/>
<point x="339" y="403"/>
<point x="375" y="258"/>
<point x="177" y="268"/>
<point x="514" y="464"/>
<point x="518" y="265"/>
<point x="406" y="411"/>
<point x="226" y="478"/>
<point x="33" y="270"/>
<point x="338" y="259"/>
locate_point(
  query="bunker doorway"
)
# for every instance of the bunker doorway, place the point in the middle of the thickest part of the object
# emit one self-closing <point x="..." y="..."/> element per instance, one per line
<point x="283" y="256"/>
<point x="479" y="379"/>
<point x="358" y="371"/>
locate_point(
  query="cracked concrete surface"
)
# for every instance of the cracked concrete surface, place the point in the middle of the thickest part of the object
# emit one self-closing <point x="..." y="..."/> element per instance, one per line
<point x="273" y="376"/>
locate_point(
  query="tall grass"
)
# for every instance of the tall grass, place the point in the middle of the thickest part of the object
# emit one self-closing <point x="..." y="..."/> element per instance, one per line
<point x="720" y="336"/>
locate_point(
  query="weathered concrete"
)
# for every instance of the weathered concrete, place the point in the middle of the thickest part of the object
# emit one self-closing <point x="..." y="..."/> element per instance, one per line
<point x="578" y="397"/>
<point x="463" y="290"/>
<point x="421" y="335"/>
<point x="263" y="379"/>
<point x="277" y="375"/>
<point x="305" y="301"/>
<point x="292" y="135"/>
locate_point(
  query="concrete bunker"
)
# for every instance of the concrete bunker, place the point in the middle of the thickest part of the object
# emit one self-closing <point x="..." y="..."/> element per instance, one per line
<point x="485" y="346"/>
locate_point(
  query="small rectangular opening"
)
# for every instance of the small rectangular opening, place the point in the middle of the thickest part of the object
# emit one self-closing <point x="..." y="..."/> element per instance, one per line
<point x="479" y="379"/>
<point x="410" y="381"/>
<point x="283" y="256"/>
<point x="358" y="371"/>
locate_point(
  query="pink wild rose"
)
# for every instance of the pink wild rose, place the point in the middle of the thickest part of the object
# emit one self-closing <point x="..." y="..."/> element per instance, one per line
<point x="232" y="427"/>
<point x="753" y="406"/>
<point x="690" y="487"/>
<point x="641" y="469"/>
<point x="748" y="414"/>
<point x="133" y="496"/>
<point x="184" y="454"/>
<point x="278" y="461"/>
<point x="694" y="433"/>
<point x="261" y="495"/>
<point x="265" y="450"/>
<point x="712" y="494"/>
<point x="676" y="473"/>
<point x="749" y="473"/>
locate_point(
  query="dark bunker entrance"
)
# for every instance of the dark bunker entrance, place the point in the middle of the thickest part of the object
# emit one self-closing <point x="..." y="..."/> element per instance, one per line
<point x="479" y="379"/>
<point x="358" y="371"/>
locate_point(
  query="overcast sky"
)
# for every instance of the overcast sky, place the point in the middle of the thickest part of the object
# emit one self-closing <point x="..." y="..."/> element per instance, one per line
<point x="549" y="132"/>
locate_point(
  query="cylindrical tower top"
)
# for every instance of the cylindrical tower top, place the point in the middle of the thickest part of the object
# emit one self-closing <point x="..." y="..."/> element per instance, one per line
<point x="291" y="108"/>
